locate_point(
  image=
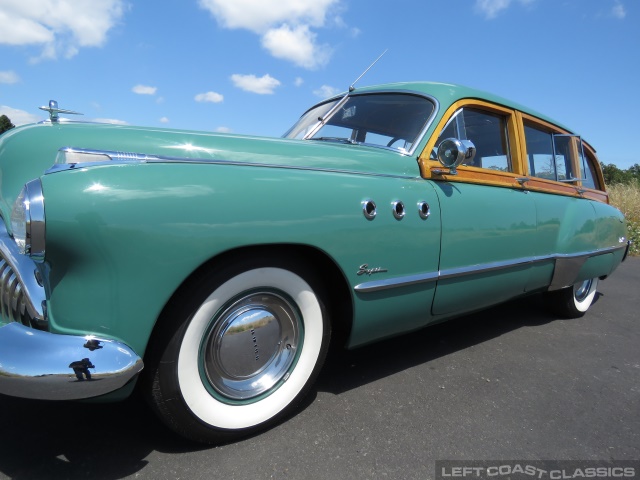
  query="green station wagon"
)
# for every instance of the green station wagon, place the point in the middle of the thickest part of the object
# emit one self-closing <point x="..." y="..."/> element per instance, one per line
<point x="226" y="265"/>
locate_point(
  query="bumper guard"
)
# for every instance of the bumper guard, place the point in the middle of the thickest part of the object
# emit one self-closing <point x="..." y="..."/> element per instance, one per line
<point x="47" y="366"/>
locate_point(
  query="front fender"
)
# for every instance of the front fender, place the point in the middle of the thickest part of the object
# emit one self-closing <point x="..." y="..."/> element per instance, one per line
<point x="121" y="239"/>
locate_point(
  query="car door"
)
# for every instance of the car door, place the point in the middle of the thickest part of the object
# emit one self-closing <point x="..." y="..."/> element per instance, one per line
<point x="488" y="220"/>
<point x="564" y="184"/>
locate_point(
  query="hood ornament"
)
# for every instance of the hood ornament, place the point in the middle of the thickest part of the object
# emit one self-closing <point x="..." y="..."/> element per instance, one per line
<point x="54" y="111"/>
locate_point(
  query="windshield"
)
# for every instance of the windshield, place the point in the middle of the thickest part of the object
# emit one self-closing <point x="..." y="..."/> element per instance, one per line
<point x="391" y="120"/>
<point x="309" y="120"/>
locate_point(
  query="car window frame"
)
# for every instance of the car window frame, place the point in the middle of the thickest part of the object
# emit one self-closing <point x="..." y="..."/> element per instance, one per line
<point x="598" y="179"/>
<point x="570" y="188"/>
<point x="519" y="177"/>
<point x="432" y="169"/>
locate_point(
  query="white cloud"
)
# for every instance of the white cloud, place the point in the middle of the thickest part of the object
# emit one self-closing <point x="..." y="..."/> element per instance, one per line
<point x="260" y="15"/>
<point x="144" y="90"/>
<point x="298" y="81"/>
<point x="223" y="130"/>
<point x="325" y="91"/>
<point x="339" y="22"/>
<point x="297" y="45"/>
<point x="164" y="120"/>
<point x="264" y="85"/>
<point x="112" y="121"/>
<point x="19" y="117"/>
<point x="491" y="8"/>
<point x="9" y="77"/>
<point x="283" y="24"/>
<point x="618" y="11"/>
<point x="59" y="27"/>
<point x="211" y="97"/>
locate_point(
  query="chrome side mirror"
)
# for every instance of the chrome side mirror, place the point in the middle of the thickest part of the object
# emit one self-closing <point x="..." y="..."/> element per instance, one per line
<point x="453" y="152"/>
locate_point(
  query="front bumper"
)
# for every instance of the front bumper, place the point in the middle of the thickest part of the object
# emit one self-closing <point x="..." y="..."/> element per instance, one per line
<point x="46" y="366"/>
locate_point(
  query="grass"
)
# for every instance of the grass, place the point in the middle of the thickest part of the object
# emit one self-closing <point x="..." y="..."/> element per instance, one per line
<point x="626" y="197"/>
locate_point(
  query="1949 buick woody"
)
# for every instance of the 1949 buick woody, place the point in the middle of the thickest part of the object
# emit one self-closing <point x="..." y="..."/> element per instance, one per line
<point x="226" y="264"/>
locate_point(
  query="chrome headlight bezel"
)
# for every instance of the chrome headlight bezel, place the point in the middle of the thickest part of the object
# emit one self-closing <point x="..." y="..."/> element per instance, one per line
<point x="28" y="221"/>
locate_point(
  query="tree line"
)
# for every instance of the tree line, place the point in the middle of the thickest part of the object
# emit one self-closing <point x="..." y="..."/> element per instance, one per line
<point x="614" y="176"/>
<point x="5" y="124"/>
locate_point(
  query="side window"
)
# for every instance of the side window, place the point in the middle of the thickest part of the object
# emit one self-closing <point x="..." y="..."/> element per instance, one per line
<point x="487" y="131"/>
<point x="562" y="149"/>
<point x="548" y="155"/>
<point x="588" y="171"/>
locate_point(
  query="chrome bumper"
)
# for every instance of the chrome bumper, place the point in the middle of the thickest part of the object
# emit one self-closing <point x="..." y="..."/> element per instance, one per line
<point x="47" y="366"/>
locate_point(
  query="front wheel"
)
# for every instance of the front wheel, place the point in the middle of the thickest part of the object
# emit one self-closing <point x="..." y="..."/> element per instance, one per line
<point x="243" y="348"/>
<point x="574" y="301"/>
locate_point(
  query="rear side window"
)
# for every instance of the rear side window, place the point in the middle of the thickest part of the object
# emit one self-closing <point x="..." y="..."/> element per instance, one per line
<point x="588" y="171"/>
<point x="548" y="154"/>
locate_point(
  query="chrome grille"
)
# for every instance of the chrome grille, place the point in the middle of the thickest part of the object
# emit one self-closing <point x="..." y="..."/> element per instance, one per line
<point x="22" y="296"/>
<point x="13" y="306"/>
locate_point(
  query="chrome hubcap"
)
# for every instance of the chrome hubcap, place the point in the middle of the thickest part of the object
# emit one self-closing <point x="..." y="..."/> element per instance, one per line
<point x="581" y="290"/>
<point x="252" y="345"/>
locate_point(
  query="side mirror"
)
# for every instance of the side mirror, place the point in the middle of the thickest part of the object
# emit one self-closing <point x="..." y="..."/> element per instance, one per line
<point x="453" y="152"/>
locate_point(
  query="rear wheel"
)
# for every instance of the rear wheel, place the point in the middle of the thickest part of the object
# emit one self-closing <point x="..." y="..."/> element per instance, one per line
<point x="574" y="301"/>
<point x="239" y="351"/>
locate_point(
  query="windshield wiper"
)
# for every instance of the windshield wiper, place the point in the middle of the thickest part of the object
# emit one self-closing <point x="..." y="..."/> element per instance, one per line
<point x="334" y="139"/>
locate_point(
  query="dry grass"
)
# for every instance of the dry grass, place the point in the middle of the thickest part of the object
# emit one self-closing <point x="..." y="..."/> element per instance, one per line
<point x="627" y="199"/>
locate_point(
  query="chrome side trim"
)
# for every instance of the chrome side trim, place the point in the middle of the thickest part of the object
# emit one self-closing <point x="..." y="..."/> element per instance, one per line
<point x="405" y="281"/>
<point x="122" y="158"/>
<point x="47" y="366"/>
<point x="567" y="266"/>
<point x="565" y="271"/>
<point x="491" y="267"/>
<point x="20" y="292"/>
<point x="112" y="154"/>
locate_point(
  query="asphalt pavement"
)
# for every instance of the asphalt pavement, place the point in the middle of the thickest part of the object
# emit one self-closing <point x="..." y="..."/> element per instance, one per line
<point x="510" y="383"/>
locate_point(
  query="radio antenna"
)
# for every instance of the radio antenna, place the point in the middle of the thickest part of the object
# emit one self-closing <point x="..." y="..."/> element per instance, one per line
<point x="323" y="118"/>
<point x="352" y="87"/>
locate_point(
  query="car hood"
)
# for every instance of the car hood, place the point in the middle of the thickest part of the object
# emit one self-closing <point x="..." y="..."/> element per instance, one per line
<point x="27" y="152"/>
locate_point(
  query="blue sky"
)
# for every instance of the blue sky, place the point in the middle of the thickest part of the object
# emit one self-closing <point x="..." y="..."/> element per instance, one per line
<point x="253" y="66"/>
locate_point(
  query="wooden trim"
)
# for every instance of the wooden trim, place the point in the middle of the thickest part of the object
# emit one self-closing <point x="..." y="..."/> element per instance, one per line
<point x="432" y="168"/>
<point x="551" y="186"/>
<point x="519" y="178"/>
<point x="543" y="123"/>
<point x="589" y="150"/>
<point x="477" y="175"/>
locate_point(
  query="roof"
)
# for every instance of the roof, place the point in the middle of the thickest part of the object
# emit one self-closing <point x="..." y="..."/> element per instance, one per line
<point x="447" y="93"/>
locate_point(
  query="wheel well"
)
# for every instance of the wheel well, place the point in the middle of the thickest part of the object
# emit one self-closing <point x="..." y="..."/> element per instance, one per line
<point x="336" y="295"/>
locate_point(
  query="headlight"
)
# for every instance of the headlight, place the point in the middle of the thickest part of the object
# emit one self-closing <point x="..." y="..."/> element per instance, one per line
<point x="28" y="222"/>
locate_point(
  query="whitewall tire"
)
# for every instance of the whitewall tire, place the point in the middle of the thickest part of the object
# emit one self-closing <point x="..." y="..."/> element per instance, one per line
<point x="574" y="301"/>
<point x="251" y="343"/>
